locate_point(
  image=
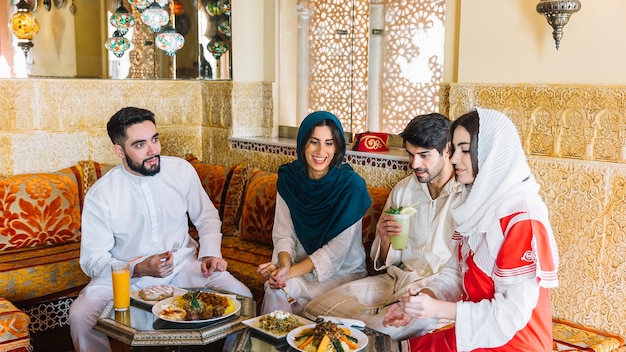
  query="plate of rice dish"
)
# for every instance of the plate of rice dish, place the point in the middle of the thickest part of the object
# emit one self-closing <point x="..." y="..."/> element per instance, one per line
<point x="276" y="324"/>
<point x="196" y="307"/>
<point x="327" y="336"/>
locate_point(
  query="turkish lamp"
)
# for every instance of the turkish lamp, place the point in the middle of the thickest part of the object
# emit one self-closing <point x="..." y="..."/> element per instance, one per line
<point x="122" y="20"/>
<point x="140" y="5"/>
<point x="225" y="4"/>
<point x="224" y="28"/>
<point x="24" y="26"/>
<point x="217" y="46"/>
<point x="214" y="8"/>
<point x="179" y="8"/>
<point x="117" y="44"/>
<point x="155" y="17"/>
<point x="169" y="41"/>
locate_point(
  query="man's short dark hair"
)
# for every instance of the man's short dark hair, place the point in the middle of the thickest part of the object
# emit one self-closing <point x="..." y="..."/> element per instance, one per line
<point x="429" y="131"/>
<point x="116" y="127"/>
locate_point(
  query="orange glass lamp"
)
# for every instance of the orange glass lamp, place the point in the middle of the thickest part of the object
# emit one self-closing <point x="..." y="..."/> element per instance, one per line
<point x="24" y="26"/>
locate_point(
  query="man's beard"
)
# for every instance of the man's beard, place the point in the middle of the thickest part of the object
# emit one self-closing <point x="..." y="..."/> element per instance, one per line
<point x="141" y="168"/>
<point x="428" y="178"/>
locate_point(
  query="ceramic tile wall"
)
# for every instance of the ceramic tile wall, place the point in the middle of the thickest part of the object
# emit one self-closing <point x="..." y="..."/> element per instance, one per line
<point x="575" y="138"/>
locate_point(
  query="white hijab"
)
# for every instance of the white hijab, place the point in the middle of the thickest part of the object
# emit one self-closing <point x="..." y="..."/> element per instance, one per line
<point x="504" y="185"/>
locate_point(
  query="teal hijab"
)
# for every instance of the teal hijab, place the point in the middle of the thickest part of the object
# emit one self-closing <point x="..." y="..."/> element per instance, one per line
<point x="321" y="209"/>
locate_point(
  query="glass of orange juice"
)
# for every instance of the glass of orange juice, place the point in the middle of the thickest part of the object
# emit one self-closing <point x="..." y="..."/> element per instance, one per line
<point x="120" y="274"/>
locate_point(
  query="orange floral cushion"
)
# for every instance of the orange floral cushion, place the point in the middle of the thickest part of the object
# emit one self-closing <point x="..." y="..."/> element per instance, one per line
<point x="14" y="334"/>
<point x="225" y="186"/>
<point x="39" y="209"/>
<point x="259" y="205"/>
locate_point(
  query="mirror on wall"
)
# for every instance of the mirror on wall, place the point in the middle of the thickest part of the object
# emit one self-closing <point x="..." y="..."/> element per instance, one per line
<point x="71" y="37"/>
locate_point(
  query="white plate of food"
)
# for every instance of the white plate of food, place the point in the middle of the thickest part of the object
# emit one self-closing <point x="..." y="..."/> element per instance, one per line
<point x="197" y="307"/>
<point x="297" y="337"/>
<point x="155" y="293"/>
<point x="276" y="324"/>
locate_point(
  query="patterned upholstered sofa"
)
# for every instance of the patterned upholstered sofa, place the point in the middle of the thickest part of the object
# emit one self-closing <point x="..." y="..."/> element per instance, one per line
<point x="40" y="241"/>
<point x="39" y="248"/>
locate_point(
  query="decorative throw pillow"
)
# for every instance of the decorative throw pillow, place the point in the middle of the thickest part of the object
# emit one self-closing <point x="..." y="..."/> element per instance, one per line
<point x="39" y="209"/>
<point x="259" y="205"/>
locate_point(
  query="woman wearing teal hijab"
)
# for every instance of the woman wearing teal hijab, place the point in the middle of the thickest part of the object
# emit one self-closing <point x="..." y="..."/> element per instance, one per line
<point x="317" y="225"/>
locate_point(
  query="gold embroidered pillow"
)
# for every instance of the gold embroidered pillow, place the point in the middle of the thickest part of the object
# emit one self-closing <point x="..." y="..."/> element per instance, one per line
<point x="257" y="212"/>
<point x="224" y="185"/>
<point x="39" y="209"/>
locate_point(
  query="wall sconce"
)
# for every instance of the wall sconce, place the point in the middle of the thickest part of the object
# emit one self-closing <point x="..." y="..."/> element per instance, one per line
<point x="557" y="13"/>
<point x="24" y="26"/>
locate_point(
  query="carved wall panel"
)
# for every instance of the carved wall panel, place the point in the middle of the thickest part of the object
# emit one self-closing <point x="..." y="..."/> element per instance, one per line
<point x="578" y="122"/>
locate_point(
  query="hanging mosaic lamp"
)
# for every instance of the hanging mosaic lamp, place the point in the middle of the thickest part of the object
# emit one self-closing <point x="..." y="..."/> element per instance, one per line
<point x="122" y="20"/>
<point x="217" y="47"/>
<point x="24" y="26"/>
<point x="117" y="44"/>
<point x="155" y="17"/>
<point x="179" y="8"/>
<point x="224" y="28"/>
<point x="225" y="4"/>
<point x="214" y="8"/>
<point x="169" y="41"/>
<point x="140" y="5"/>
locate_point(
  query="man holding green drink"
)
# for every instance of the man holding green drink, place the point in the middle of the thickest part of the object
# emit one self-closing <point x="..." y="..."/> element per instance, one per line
<point x="426" y="196"/>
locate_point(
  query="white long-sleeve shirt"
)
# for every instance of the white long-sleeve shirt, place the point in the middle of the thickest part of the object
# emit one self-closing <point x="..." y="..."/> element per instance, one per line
<point x="126" y="216"/>
<point x="430" y="231"/>
<point x="342" y="256"/>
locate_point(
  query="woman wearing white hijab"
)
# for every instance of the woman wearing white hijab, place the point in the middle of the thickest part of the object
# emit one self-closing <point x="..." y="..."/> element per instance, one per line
<point x="507" y="255"/>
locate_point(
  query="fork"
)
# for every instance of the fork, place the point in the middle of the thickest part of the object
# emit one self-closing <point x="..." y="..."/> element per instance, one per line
<point x="376" y="310"/>
<point x="174" y="249"/>
<point x="176" y="246"/>
<point x="290" y="299"/>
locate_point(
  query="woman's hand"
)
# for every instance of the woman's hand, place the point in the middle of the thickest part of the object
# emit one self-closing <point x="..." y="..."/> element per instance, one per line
<point x="396" y="317"/>
<point x="266" y="269"/>
<point x="279" y="277"/>
<point x="418" y="306"/>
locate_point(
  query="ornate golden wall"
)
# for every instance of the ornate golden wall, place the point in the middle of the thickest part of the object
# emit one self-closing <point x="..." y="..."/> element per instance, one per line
<point x="575" y="139"/>
<point x="49" y="124"/>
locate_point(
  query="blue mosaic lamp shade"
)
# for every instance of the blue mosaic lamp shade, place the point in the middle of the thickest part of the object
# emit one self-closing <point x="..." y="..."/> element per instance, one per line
<point x="117" y="44"/>
<point x="122" y="20"/>
<point x="170" y="41"/>
<point x="155" y="17"/>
